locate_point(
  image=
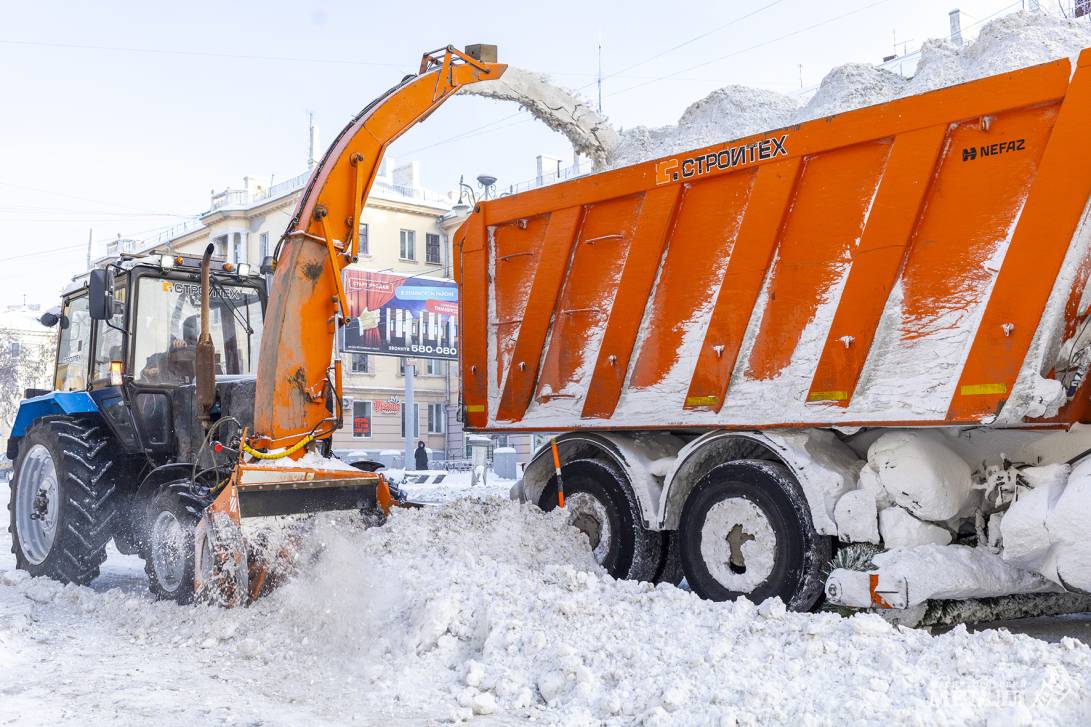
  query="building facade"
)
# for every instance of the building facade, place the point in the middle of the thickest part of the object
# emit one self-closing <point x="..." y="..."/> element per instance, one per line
<point x="402" y="231"/>
<point x="27" y="353"/>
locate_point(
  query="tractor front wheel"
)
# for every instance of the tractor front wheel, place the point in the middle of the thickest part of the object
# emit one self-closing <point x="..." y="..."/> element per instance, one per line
<point x="172" y="519"/>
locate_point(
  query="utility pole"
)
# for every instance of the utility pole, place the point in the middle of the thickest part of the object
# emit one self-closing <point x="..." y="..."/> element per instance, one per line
<point x="409" y="415"/>
<point x="599" y="78"/>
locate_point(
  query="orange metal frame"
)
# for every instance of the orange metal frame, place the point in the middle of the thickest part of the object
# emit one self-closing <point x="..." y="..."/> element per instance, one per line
<point x="585" y="288"/>
<point x="307" y="301"/>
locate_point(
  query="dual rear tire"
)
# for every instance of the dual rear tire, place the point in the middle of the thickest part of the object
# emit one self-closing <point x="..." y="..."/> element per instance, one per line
<point x="745" y="531"/>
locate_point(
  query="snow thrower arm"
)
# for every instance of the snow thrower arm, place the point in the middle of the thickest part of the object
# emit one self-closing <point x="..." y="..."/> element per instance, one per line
<point x="307" y="302"/>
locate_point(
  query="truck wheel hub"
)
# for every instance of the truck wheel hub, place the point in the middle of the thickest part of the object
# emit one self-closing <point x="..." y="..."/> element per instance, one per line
<point x="738" y="544"/>
<point x="589" y="516"/>
<point x="37" y="504"/>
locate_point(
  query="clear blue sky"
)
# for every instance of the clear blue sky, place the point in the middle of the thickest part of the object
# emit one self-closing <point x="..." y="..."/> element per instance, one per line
<point x="122" y="116"/>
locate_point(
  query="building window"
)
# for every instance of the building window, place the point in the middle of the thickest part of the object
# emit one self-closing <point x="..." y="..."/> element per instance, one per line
<point x="360" y="363"/>
<point x="361" y="420"/>
<point x="431" y="248"/>
<point x="238" y="255"/>
<point x="15" y="349"/>
<point x="416" y="421"/>
<point x="220" y="245"/>
<point x="408" y="245"/>
<point x="364" y="249"/>
<point x="263" y="245"/>
<point x="435" y="367"/>
<point x="435" y="419"/>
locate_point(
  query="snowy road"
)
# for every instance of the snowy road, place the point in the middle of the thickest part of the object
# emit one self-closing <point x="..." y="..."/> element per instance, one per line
<point x="489" y="607"/>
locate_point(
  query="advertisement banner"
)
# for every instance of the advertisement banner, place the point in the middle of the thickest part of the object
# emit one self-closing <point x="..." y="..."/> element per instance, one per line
<point x="397" y="315"/>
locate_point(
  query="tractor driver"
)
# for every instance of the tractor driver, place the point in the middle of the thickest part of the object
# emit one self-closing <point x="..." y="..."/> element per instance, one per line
<point x="177" y="364"/>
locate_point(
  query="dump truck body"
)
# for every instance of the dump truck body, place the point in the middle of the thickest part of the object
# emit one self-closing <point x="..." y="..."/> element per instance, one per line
<point x="917" y="262"/>
<point x="868" y="327"/>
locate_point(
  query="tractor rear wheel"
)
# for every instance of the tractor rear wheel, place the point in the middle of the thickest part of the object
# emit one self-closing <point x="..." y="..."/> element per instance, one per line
<point x="172" y="519"/>
<point x="64" y="500"/>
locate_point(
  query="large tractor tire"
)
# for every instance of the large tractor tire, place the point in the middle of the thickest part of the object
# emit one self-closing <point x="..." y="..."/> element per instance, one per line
<point x="746" y="531"/>
<point x="169" y="556"/>
<point x="600" y="504"/>
<point x="64" y="500"/>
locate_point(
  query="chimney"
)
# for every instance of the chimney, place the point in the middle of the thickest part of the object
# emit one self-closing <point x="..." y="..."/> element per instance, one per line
<point x="312" y="141"/>
<point x="956" y="27"/>
<point x="407" y="176"/>
<point x="549" y="169"/>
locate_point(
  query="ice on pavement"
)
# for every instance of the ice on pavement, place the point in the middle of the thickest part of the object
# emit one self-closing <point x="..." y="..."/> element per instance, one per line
<point x="491" y="607"/>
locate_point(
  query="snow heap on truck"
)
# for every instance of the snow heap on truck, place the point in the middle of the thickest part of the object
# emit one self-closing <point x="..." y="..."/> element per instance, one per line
<point x="868" y="330"/>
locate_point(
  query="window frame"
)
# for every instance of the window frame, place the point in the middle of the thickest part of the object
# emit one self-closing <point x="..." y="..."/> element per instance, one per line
<point x="407" y="236"/>
<point x="370" y="417"/>
<point x="355" y="357"/>
<point x="429" y="237"/>
<point x="364" y="247"/>
<point x="437" y="418"/>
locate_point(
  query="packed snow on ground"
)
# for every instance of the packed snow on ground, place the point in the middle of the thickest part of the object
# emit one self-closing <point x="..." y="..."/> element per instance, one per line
<point x="491" y="609"/>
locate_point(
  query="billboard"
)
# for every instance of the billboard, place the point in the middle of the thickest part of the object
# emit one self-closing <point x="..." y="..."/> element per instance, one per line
<point x="399" y="315"/>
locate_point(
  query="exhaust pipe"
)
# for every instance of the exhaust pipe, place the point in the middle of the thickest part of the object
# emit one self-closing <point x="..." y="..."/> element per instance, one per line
<point x="206" y="352"/>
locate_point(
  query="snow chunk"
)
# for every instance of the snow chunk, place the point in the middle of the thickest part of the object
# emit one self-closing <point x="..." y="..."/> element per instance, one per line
<point x="922" y="474"/>
<point x="899" y="529"/>
<point x="857" y="517"/>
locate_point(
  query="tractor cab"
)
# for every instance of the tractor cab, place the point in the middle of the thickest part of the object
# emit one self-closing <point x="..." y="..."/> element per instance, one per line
<point x="127" y="348"/>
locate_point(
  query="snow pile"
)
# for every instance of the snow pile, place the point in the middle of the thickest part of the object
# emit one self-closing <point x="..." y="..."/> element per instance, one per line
<point x="1045" y="529"/>
<point x="852" y="86"/>
<point x="492" y="608"/>
<point x="726" y="113"/>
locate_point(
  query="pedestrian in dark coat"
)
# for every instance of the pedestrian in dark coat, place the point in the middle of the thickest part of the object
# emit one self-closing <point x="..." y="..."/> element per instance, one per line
<point x="421" y="456"/>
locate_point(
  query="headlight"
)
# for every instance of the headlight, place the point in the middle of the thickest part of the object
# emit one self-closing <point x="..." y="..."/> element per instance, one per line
<point x="166" y="261"/>
<point x="244" y="270"/>
<point x="117" y="369"/>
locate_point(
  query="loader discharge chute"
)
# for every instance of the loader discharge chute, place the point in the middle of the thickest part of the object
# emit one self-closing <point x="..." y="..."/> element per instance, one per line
<point x="284" y="467"/>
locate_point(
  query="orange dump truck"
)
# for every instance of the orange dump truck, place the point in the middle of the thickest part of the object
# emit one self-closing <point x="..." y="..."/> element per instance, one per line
<point x="859" y="341"/>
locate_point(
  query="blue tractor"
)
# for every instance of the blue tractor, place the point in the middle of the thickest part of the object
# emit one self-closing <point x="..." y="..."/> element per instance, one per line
<point x="118" y="450"/>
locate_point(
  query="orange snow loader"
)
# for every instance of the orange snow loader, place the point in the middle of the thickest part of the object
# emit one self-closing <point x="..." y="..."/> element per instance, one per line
<point x="299" y="388"/>
<point x="719" y="337"/>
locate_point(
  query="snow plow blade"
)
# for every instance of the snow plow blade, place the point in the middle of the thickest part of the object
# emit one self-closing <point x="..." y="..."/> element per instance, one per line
<point x="253" y="534"/>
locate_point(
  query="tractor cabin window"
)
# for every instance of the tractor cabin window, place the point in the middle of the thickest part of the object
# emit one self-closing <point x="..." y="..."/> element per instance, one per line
<point x="74" y="346"/>
<point x="168" y="323"/>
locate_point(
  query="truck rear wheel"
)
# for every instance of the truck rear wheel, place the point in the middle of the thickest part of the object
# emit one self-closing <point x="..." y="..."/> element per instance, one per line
<point x="169" y="551"/>
<point x="600" y="505"/>
<point x="746" y="530"/>
<point x="64" y="500"/>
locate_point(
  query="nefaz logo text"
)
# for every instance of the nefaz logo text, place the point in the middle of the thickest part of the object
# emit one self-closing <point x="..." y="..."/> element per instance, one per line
<point x="671" y="170"/>
<point x="971" y="153"/>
